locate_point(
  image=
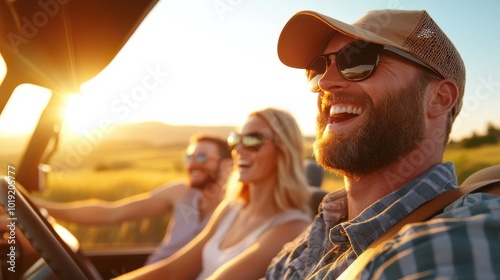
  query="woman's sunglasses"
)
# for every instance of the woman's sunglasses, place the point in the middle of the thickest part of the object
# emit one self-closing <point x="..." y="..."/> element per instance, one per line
<point x="251" y="141"/>
<point x="355" y="62"/>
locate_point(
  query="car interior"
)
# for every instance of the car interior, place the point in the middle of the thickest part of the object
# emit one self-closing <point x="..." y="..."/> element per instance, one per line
<point x="59" y="45"/>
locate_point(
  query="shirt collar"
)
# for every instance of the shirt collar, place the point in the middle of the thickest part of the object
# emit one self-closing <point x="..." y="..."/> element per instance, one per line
<point x="383" y="214"/>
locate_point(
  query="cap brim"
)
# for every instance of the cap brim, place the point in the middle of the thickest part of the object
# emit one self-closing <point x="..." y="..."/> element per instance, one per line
<point x="307" y="33"/>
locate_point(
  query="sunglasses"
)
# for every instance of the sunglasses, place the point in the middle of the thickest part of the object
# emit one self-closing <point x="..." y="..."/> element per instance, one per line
<point x="355" y="62"/>
<point x="200" y="158"/>
<point x="251" y="141"/>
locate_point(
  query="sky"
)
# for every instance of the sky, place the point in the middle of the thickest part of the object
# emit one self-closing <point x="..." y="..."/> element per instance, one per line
<point x="213" y="62"/>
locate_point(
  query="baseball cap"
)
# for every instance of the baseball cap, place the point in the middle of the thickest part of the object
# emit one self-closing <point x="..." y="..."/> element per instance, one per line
<point x="306" y="35"/>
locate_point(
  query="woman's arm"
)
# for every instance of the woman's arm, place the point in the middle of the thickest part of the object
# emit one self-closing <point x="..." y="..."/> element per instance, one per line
<point x="253" y="262"/>
<point x="185" y="263"/>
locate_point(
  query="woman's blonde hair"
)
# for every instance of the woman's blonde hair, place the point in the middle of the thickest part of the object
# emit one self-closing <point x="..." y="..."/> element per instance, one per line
<point x="292" y="190"/>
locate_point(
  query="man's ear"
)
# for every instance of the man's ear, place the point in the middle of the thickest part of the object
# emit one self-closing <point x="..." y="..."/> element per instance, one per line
<point x="444" y="94"/>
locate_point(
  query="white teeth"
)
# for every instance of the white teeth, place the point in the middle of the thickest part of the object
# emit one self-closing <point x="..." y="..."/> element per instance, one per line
<point x="342" y="109"/>
<point x="243" y="163"/>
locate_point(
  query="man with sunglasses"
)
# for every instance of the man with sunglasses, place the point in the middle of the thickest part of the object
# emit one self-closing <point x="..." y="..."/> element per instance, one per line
<point x="389" y="88"/>
<point x="209" y="163"/>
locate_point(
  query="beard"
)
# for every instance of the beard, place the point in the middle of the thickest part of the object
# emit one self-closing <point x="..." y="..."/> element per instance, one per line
<point x="392" y="130"/>
<point x="210" y="179"/>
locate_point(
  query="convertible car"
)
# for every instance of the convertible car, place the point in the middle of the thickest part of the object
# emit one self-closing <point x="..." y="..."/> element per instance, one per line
<point x="57" y="45"/>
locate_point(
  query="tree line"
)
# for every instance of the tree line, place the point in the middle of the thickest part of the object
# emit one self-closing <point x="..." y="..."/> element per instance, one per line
<point x="491" y="137"/>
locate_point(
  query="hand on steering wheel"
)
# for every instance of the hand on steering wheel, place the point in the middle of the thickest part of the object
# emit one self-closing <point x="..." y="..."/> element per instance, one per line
<point x="63" y="261"/>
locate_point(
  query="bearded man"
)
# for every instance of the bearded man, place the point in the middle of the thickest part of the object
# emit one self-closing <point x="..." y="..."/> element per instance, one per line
<point x="389" y="88"/>
<point x="209" y="163"/>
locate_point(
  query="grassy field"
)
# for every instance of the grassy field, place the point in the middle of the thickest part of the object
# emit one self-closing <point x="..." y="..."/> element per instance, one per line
<point x="467" y="161"/>
<point x="110" y="185"/>
<point x="120" y="175"/>
<point x="114" y="174"/>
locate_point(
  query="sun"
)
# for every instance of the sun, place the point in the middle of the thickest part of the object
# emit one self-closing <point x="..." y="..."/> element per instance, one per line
<point x="77" y="114"/>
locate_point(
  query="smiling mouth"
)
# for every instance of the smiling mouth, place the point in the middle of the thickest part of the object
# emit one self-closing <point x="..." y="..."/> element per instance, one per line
<point x="340" y="114"/>
<point x="243" y="164"/>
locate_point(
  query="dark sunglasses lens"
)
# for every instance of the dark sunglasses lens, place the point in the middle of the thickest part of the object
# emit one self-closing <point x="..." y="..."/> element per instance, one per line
<point x="198" y="158"/>
<point x="357" y="62"/>
<point x="315" y="71"/>
<point x="233" y="139"/>
<point x="201" y="158"/>
<point x="252" y="143"/>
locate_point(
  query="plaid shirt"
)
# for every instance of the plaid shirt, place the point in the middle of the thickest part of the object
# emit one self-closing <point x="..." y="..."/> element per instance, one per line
<point x="463" y="242"/>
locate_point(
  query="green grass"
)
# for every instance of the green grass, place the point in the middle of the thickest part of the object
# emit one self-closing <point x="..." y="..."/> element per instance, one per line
<point x="107" y="185"/>
<point x="468" y="161"/>
<point x="112" y="175"/>
<point x="113" y="184"/>
<point x="147" y="169"/>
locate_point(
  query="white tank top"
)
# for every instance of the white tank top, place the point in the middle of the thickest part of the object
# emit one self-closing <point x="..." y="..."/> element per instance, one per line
<point x="213" y="257"/>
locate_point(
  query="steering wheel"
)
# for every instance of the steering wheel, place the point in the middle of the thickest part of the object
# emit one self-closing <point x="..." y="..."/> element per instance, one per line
<point x="64" y="261"/>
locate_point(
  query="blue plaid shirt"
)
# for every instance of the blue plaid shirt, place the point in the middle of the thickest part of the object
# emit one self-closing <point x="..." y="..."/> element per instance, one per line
<point x="463" y="242"/>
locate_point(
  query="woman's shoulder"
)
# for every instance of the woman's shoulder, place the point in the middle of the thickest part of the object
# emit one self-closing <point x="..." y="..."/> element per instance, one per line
<point x="289" y="224"/>
<point x="292" y="215"/>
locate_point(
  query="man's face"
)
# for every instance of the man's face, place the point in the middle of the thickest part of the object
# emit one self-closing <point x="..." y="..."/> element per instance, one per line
<point x="386" y="119"/>
<point x="203" y="165"/>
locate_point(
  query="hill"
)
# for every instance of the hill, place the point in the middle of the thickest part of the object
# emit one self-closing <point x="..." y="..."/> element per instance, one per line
<point x="76" y="150"/>
<point x="154" y="134"/>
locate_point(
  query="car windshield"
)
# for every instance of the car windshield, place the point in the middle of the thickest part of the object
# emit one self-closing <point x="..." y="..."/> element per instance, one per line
<point x="18" y="121"/>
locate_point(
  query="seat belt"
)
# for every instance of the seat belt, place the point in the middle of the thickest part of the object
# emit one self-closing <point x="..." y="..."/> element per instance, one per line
<point x="422" y="213"/>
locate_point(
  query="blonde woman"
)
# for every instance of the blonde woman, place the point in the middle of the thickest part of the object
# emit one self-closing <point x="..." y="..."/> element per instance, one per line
<point x="265" y="209"/>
